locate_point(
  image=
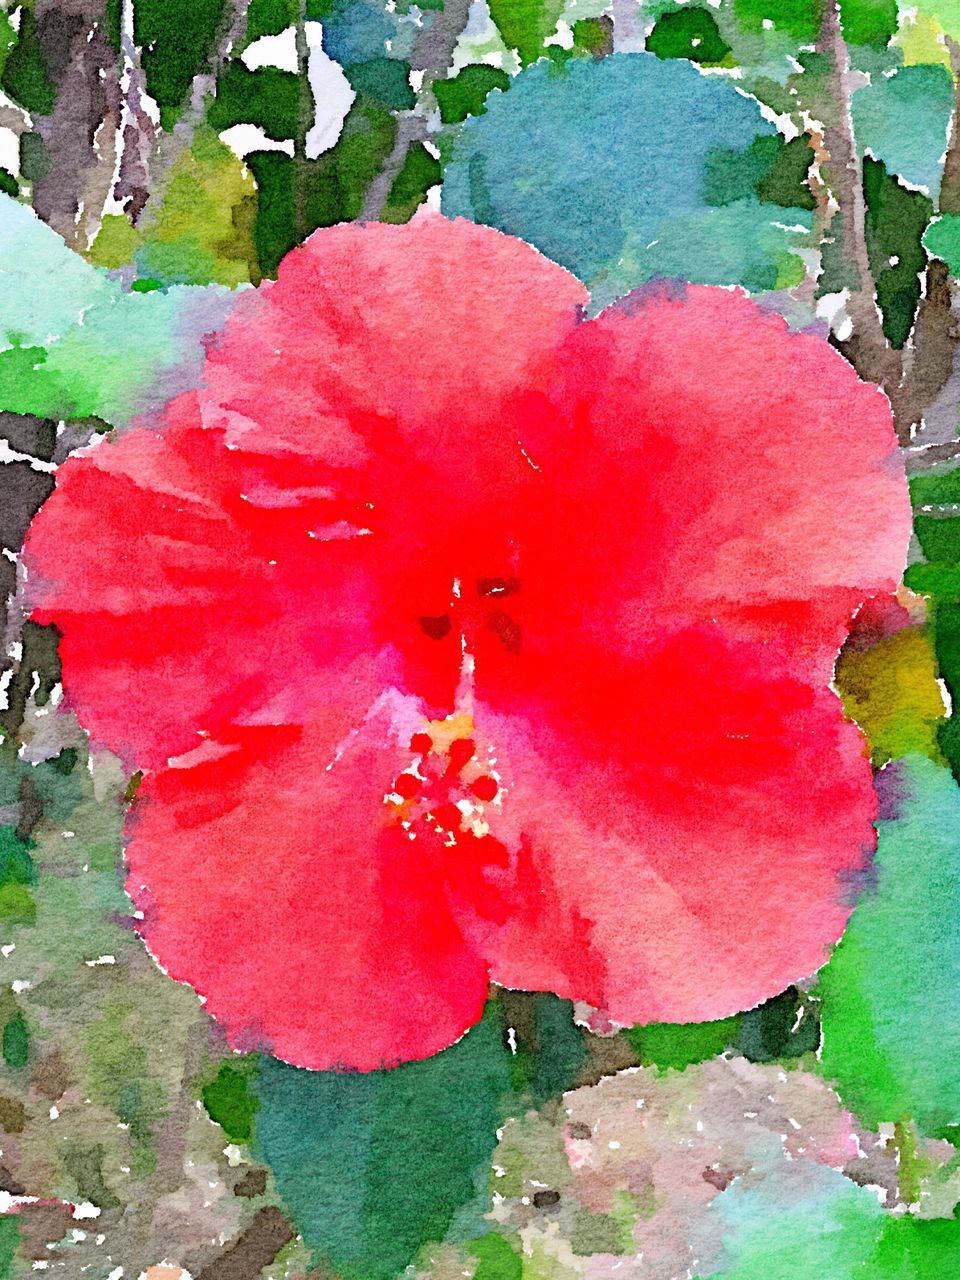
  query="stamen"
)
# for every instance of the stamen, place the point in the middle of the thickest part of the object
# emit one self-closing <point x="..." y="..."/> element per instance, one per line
<point x="485" y="787"/>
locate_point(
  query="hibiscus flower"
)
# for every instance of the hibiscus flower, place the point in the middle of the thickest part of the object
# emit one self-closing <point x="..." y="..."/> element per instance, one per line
<point x="462" y="637"/>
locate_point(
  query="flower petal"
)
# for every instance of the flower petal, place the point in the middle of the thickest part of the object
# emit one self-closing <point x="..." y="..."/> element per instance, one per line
<point x="395" y="340"/>
<point x="309" y="507"/>
<point x="714" y="466"/>
<point x="191" y="595"/>
<point x="695" y="824"/>
<point x="273" y="879"/>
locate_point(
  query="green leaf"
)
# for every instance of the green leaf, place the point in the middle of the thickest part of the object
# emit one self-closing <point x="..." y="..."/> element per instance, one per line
<point x="770" y="169"/>
<point x="8" y="38"/>
<point x="903" y="119"/>
<point x="25" y="77"/>
<point x="200" y="231"/>
<point x="625" y="210"/>
<point x="802" y="1221"/>
<point x="229" y="1099"/>
<point x="374" y="1165"/>
<point x="9" y="1239"/>
<point x="386" y="80"/>
<point x="942" y="240"/>
<point x="668" y="1045"/>
<point x="688" y="33"/>
<point x="785" y="1027"/>
<point x="16" y="1042"/>
<point x="176" y="41"/>
<point x="549" y="1049"/>
<point x="270" y="17"/>
<point x="266" y="97"/>
<point x="85" y="347"/>
<point x="296" y="196"/>
<point x="896" y="221"/>
<point x="797" y="18"/>
<point x="890" y="689"/>
<point x="465" y="93"/>
<point x="916" y="1249"/>
<point x="890" y="996"/>
<point x="869" y="22"/>
<point x="497" y="1259"/>
<point x="525" y="24"/>
<point x="16" y="865"/>
<point x="420" y="172"/>
<point x="594" y="36"/>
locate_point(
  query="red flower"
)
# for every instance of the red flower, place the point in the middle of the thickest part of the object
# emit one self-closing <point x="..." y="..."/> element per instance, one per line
<point x="463" y="637"/>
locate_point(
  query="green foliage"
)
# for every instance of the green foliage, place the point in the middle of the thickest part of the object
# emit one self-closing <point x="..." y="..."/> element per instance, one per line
<point x="889" y="992"/>
<point x="295" y="196"/>
<point x="420" y="172"/>
<point x="689" y="33"/>
<point x="593" y="36"/>
<point x="525" y="24"/>
<point x="674" y="1046"/>
<point x="465" y="93"/>
<point x="779" y="1029"/>
<point x="8" y="39"/>
<point x="798" y="18"/>
<point x="9" y="1240"/>
<point x="385" y="80"/>
<point x="770" y="169"/>
<point x="332" y="1141"/>
<point x="785" y="1027"/>
<point x="16" y="864"/>
<point x="25" y="76"/>
<point x="942" y="240"/>
<point x="786" y="182"/>
<point x="496" y="1257"/>
<point x="229" y="1099"/>
<point x="266" y="97"/>
<point x="176" y="41"/>
<point x="895" y="224"/>
<point x="201" y="231"/>
<point x="16" y="1042"/>
<point x="548" y="1050"/>
<point x="270" y="17"/>
<point x="890" y="689"/>
<point x="938" y="534"/>
<point x="869" y="22"/>
<point x="86" y="347"/>
<point x="916" y="1249"/>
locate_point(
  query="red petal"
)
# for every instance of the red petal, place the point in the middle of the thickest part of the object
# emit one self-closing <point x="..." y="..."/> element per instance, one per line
<point x="714" y="466"/>
<point x="199" y="584"/>
<point x="696" y="824"/>
<point x="405" y="340"/>
<point x="275" y="882"/>
<point x="191" y="596"/>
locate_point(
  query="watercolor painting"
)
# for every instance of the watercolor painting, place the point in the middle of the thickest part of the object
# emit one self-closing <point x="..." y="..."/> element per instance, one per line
<point x="480" y="525"/>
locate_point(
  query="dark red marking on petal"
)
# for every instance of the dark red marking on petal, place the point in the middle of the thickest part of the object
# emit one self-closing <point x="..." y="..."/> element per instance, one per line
<point x="506" y="629"/>
<point x="437" y="628"/>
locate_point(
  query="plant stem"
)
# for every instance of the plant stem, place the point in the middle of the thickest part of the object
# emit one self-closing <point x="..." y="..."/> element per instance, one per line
<point x="867" y="348"/>
<point x="432" y="55"/>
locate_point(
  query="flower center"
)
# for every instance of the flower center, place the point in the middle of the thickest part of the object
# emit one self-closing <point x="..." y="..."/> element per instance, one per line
<point x="479" y="609"/>
<point x="448" y="794"/>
